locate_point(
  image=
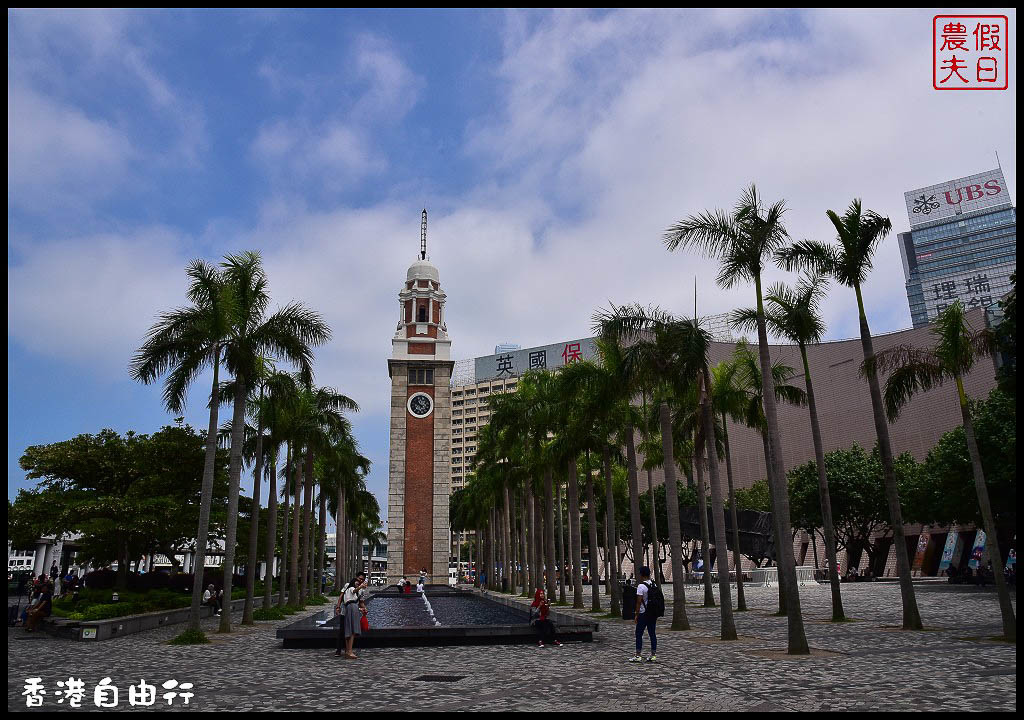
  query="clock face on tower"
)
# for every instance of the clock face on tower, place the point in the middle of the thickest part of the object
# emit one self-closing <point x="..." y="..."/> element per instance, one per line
<point x="421" y="405"/>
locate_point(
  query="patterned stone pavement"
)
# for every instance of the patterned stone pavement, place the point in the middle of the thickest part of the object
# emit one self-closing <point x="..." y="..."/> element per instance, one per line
<point x="868" y="665"/>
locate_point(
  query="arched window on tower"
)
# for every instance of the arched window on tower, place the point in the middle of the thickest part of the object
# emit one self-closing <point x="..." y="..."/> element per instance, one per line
<point x="422" y="314"/>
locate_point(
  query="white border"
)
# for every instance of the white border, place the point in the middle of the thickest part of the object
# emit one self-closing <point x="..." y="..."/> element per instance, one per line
<point x="408" y="405"/>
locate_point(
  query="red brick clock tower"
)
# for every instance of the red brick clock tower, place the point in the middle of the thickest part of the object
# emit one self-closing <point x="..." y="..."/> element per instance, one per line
<point x="420" y="473"/>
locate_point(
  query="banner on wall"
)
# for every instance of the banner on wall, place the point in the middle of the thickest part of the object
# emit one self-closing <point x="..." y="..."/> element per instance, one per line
<point x="947" y="552"/>
<point x="977" y="551"/>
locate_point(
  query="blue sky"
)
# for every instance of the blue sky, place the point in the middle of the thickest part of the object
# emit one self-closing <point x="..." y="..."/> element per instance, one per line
<point x="551" y="148"/>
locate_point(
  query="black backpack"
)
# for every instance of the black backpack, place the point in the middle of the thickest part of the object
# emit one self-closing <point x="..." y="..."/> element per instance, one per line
<point x="655" y="601"/>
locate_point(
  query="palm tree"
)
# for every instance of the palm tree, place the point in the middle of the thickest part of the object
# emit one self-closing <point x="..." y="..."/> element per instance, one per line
<point x="606" y="325"/>
<point x="266" y="396"/>
<point x="914" y="370"/>
<point x="345" y="469"/>
<point x="729" y="400"/>
<point x="289" y="334"/>
<point x="742" y="240"/>
<point x="613" y="412"/>
<point x="280" y="391"/>
<point x="749" y="374"/>
<point x="794" y="313"/>
<point x="650" y="353"/>
<point x="184" y="342"/>
<point x="320" y="421"/>
<point x="575" y="436"/>
<point x="859" y="233"/>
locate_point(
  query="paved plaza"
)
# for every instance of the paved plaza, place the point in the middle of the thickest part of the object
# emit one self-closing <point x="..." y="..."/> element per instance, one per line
<point x="867" y="665"/>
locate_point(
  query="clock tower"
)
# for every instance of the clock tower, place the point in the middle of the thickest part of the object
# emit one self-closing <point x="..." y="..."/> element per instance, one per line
<point x="420" y="472"/>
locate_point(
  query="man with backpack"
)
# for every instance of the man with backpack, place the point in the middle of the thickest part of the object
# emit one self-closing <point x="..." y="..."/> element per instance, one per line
<point x="650" y="605"/>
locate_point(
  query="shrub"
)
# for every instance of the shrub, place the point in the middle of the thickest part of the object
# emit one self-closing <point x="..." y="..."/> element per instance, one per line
<point x="190" y="637"/>
<point x="272" y="613"/>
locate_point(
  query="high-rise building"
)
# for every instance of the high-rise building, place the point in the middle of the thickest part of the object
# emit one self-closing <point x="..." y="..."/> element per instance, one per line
<point x="962" y="244"/>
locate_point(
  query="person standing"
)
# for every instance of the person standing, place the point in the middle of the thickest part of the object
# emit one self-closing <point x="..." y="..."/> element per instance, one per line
<point x="650" y="605"/>
<point x="349" y="610"/>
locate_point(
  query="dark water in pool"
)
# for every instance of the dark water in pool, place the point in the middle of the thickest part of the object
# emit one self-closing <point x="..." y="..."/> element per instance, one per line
<point x="412" y="612"/>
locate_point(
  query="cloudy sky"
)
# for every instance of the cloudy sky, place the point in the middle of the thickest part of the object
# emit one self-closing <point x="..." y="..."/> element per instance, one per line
<point x="551" y="150"/>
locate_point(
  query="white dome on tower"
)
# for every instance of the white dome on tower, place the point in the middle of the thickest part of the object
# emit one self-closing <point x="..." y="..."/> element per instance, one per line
<point x="423" y="270"/>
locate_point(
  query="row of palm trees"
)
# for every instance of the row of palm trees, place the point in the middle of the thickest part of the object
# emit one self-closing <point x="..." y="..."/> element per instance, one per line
<point x="227" y="326"/>
<point x="555" y="420"/>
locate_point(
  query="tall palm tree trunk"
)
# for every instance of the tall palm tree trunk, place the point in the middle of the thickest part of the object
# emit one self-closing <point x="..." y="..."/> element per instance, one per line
<point x="705" y="533"/>
<point x="307" y="530"/>
<point x="321" y="538"/>
<point x="339" y="537"/>
<point x="286" y="574"/>
<point x="494" y="574"/>
<point x="658" y="575"/>
<point x="776" y="534"/>
<point x="654" y="526"/>
<point x="293" y="568"/>
<point x="234" y="482"/>
<point x="718" y="512"/>
<point x="252" y="562"/>
<point x="911" y="613"/>
<point x="271" y="540"/>
<point x="575" y="541"/>
<point x="458" y="560"/>
<point x="595" y="567"/>
<point x="679" y="619"/>
<point x="780" y="492"/>
<point x="838" y="615"/>
<point x="737" y="558"/>
<point x="991" y="531"/>
<point x="611" y="549"/>
<point x="549" y="532"/>
<point x="531" y="540"/>
<point x="524" y="545"/>
<point x="508" y="516"/>
<point x="205" y="501"/>
<point x="561" y="544"/>
<point x="634" y="500"/>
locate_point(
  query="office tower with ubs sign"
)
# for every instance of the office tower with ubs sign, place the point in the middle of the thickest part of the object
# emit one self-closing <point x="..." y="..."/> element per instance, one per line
<point x="962" y="245"/>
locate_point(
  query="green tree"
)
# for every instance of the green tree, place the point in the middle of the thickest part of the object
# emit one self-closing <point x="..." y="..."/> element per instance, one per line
<point x="288" y="334"/>
<point x="795" y="314"/>
<point x="126" y="495"/>
<point x="859" y="233"/>
<point x="182" y="344"/>
<point x="915" y="370"/>
<point x="1006" y="341"/>
<point x="946" y="494"/>
<point x="742" y="240"/>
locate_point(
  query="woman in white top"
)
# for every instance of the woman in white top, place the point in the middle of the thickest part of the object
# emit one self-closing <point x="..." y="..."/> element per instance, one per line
<point x="350" y="608"/>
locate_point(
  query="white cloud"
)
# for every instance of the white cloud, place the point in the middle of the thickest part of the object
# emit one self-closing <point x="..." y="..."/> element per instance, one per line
<point x="65" y="147"/>
<point x="89" y="300"/>
<point x="329" y="136"/>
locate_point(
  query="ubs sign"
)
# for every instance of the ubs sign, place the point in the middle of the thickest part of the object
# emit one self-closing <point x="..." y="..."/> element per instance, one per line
<point x="946" y="200"/>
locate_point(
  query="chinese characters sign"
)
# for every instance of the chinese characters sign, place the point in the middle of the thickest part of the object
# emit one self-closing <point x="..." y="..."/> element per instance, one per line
<point x="970" y="52"/>
<point x="548" y="357"/>
<point x="974" y="289"/>
<point x="956" y="197"/>
<point x="73" y="693"/>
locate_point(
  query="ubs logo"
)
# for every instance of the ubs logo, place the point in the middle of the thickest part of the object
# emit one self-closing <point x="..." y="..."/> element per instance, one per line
<point x="925" y="204"/>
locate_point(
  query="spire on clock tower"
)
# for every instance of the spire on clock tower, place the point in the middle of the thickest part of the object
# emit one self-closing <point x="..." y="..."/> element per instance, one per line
<point x="421" y="333"/>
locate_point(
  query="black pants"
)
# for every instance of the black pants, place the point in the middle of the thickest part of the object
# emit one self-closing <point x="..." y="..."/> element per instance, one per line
<point x="545" y="630"/>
